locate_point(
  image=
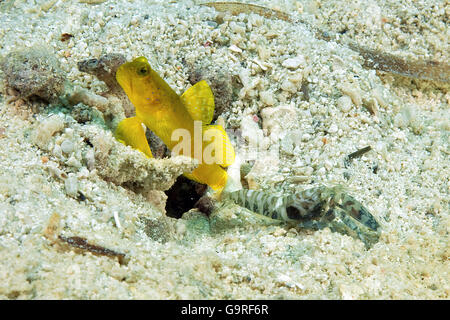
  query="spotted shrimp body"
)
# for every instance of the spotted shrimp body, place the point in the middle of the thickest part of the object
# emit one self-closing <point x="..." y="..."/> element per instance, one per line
<point x="315" y="209"/>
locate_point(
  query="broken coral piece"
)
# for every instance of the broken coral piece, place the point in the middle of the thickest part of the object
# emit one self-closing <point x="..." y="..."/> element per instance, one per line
<point x="34" y="72"/>
<point x="45" y="130"/>
<point x="113" y="161"/>
<point x="124" y="165"/>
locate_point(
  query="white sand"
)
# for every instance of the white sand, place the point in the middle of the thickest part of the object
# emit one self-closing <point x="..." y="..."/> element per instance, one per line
<point x="238" y="256"/>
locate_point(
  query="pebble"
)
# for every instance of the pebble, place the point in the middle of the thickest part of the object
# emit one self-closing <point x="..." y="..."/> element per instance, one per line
<point x="321" y="171"/>
<point x="212" y="24"/>
<point x="333" y="128"/>
<point x="289" y="141"/>
<point x="234" y="48"/>
<point x="71" y="185"/>
<point x="267" y="98"/>
<point x="251" y="132"/>
<point x="297" y="179"/>
<point x="296" y="78"/>
<point x="237" y="28"/>
<point x="328" y="165"/>
<point x="260" y="64"/>
<point x="46" y="129"/>
<point x="279" y="232"/>
<point x="277" y="119"/>
<point x="288" y="86"/>
<point x="428" y="164"/>
<point x="350" y="292"/>
<point x="134" y="20"/>
<point x="55" y="171"/>
<point x="263" y="52"/>
<point x="67" y="146"/>
<point x="90" y="159"/>
<point x="306" y="137"/>
<point x="377" y="94"/>
<point x="277" y="178"/>
<point x="304" y="171"/>
<point x="97" y="27"/>
<point x="294" y="63"/>
<point x="73" y="162"/>
<point x="372" y="106"/>
<point x="83" y="173"/>
<point x="57" y="152"/>
<point x="353" y="92"/>
<point x="344" y="103"/>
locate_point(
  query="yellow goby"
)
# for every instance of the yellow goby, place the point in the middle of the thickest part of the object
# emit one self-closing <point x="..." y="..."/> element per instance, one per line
<point x="163" y="111"/>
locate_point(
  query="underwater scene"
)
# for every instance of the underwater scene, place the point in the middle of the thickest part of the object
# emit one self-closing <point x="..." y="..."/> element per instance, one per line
<point x="204" y="150"/>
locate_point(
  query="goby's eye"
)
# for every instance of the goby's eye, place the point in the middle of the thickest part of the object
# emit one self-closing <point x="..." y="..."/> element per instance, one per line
<point x="143" y="70"/>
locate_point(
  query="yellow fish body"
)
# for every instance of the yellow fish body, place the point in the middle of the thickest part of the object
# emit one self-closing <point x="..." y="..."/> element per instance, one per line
<point x="163" y="111"/>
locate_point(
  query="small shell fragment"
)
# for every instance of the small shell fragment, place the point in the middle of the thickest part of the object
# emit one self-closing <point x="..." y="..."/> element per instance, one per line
<point x="260" y="64"/>
<point x="55" y="171"/>
<point x="294" y="63"/>
<point x="52" y="229"/>
<point x="71" y="185"/>
<point x="352" y="92"/>
<point x="235" y="48"/>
